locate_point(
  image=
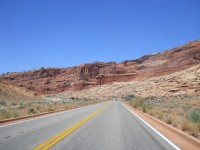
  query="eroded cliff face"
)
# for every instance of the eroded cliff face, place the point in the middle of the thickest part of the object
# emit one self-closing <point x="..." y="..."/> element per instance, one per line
<point x="55" y="80"/>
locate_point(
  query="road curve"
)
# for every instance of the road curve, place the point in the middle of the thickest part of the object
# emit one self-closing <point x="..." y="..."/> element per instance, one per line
<point x="106" y="127"/>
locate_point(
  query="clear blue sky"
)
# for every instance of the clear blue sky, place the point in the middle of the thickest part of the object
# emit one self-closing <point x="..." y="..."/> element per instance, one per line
<point x="63" y="33"/>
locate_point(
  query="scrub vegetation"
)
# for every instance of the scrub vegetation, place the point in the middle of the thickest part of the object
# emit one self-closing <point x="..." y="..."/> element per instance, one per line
<point x="180" y="111"/>
<point x="13" y="109"/>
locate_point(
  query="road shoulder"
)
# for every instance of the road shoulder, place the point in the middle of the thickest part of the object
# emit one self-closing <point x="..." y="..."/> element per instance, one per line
<point x="176" y="136"/>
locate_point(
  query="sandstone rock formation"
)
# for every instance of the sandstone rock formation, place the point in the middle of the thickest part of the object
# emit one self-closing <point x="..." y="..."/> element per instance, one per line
<point x="55" y="80"/>
<point x="185" y="82"/>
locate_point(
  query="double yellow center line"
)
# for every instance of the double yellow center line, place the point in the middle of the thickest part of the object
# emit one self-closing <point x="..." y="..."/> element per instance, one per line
<point x="55" y="139"/>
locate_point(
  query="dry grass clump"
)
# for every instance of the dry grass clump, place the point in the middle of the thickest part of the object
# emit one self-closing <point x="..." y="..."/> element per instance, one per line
<point x="191" y="127"/>
<point x="13" y="109"/>
<point x="192" y="122"/>
<point x="5" y="114"/>
<point x="179" y="111"/>
<point x="137" y="102"/>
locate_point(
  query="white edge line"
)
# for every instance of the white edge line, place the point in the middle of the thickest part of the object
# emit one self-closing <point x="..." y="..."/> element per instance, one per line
<point x="160" y="134"/>
<point x="47" y="115"/>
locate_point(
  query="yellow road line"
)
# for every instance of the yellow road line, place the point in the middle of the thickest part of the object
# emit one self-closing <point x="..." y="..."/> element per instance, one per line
<point x="55" y="139"/>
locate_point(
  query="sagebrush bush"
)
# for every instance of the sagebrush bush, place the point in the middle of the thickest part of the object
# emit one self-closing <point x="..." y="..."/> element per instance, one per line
<point x="31" y="111"/>
<point x="194" y="115"/>
<point x="191" y="127"/>
<point x="144" y="108"/>
<point x="2" y="103"/>
<point x="4" y="114"/>
<point x="160" y="114"/>
<point x="136" y="102"/>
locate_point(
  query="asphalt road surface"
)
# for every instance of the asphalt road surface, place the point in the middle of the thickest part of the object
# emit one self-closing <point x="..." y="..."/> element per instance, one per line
<point x="105" y="126"/>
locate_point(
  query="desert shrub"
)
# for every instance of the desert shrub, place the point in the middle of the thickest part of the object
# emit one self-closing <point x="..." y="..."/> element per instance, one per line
<point x="167" y="118"/>
<point x="50" y="108"/>
<point x="146" y="107"/>
<point x="186" y="108"/>
<point x="160" y="114"/>
<point x="194" y="115"/>
<point x="21" y="106"/>
<point x="191" y="127"/>
<point x="129" y="97"/>
<point x="4" y="114"/>
<point x="136" y="102"/>
<point x="31" y="111"/>
<point x="20" y="103"/>
<point x="14" y="103"/>
<point x="15" y="114"/>
<point x="140" y="103"/>
<point x="85" y="99"/>
<point x="2" y="103"/>
<point x="38" y="107"/>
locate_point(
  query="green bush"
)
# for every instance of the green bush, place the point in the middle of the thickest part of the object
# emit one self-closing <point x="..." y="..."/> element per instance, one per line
<point x="31" y="111"/>
<point x="2" y="103"/>
<point x="144" y="108"/>
<point x="194" y="115"/>
<point x="21" y="106"/>
<point x="137" y="102"/>
<point x="14" y="103"/>
<point x="129" y="97"/>
<point x="4" y="114"/>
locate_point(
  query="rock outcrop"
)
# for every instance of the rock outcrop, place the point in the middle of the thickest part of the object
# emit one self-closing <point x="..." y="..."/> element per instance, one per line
<point x="55" y="80"/>
<point x="185" y="82"/>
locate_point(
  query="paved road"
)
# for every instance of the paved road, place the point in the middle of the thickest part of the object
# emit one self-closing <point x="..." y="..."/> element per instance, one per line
<point x="112" y="128"/>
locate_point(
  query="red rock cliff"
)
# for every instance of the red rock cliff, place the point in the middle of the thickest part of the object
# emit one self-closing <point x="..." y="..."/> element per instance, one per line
<point x="55" y="80"/>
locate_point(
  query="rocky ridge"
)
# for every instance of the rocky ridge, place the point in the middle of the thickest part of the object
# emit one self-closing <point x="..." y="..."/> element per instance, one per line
<point x="56" y="80"/>
<point x="184" y="82"/>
